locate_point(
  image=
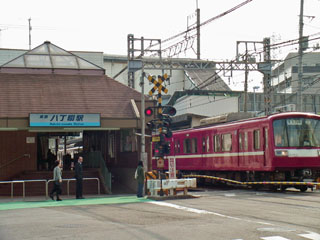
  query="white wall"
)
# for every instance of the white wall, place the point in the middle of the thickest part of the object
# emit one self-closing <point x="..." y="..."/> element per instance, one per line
<point x="206" y="105"/>
<point x="177" y="79"/>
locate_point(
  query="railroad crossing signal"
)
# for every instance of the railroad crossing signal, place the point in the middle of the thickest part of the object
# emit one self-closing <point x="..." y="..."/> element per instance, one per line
<point x="158" y="84"/>
<point x="161" y="125"/>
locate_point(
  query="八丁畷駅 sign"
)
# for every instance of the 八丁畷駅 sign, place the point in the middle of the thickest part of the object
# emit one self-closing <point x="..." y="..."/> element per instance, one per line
<point x="64" y="120"/>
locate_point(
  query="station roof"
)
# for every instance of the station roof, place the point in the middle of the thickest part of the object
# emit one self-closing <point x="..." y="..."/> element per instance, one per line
<point x="22" y="94"/>
<point x="52" y="58"/>
<point x="48" y="79"/>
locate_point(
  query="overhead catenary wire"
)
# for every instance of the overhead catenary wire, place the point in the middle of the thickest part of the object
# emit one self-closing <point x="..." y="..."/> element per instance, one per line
<point x="202" y="24"/>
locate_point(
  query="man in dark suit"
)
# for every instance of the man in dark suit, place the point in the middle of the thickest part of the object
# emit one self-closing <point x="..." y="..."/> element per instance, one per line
<point x="79" y="176"/>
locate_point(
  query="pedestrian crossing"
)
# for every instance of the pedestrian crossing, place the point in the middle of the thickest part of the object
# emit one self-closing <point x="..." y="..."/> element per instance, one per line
<point x="307" y="236"/>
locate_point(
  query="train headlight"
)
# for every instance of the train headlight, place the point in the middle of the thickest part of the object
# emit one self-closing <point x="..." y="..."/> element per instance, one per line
<point x="281" y="153"/>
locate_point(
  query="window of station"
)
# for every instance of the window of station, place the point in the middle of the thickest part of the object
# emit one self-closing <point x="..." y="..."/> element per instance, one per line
<point x="127" y="141"/>
<point x="226" y="142"/>
<point x="256" y="139"/>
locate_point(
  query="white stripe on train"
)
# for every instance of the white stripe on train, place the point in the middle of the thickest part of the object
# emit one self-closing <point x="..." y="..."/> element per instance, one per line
<point x="291" y="153"/>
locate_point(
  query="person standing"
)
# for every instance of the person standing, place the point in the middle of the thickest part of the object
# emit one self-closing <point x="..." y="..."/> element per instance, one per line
<point x="79" y="177"/>
<point x="139" y="176"/>
<point x="57" y="177"/>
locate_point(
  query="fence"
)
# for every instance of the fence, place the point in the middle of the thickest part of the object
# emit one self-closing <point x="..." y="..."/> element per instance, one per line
<point x="46" y="185"/>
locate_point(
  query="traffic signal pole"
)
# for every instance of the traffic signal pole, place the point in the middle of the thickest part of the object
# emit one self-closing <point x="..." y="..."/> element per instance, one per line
<point x="143" y="157"/>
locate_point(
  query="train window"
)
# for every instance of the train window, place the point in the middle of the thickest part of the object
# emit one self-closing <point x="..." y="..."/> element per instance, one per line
<point x="217" y="143"/>
<point x="266" y="137"/>
<point x="240" y="142"/>
<point x="256" y="139"/>
<point x="226" y="142"/>
<point x="194" y="145"/>
<point x="203" y="144"/>
<point x="246" y="141"/>
<point x="177" y="146"/>
<point x="187" y="146"/>
<point x="208" y="146"/>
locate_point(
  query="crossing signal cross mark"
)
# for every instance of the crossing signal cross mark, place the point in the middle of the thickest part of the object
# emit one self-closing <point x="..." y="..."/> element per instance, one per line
<point x="158" y="84"/>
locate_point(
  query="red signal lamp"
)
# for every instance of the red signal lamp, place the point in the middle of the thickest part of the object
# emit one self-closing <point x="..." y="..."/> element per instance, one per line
<point x="148" y="111"/>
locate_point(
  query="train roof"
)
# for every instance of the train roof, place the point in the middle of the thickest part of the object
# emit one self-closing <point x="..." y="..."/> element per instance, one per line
<point x="253" y="119"/>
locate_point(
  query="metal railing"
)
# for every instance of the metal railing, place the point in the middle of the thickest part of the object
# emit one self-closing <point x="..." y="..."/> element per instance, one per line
<point x="46" y="185"/>
<point x="24" y="185"/>
<point x="68" y="184"/>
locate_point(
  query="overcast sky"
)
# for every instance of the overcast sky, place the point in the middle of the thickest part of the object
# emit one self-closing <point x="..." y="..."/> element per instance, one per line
<point x="103" y="25"/>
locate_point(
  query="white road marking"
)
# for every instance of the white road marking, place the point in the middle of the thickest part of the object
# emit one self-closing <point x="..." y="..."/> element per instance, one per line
<point x="275" y="238"/>
<point x="199" y="211"/>
<point x="230" y="194"/>
<point x="311" y="235"/>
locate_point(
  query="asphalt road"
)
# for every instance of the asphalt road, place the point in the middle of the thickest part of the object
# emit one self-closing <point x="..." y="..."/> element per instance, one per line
<point x="213" y="214"/>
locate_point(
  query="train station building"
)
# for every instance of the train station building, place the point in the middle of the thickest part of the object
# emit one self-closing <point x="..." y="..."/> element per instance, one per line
<point x="53" y="102"/>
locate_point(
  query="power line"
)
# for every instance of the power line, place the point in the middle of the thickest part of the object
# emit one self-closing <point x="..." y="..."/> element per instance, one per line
<point x="204" y="23"/>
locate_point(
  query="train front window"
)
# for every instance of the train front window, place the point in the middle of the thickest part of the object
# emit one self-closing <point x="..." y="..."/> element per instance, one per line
<point x="296" y="132"/>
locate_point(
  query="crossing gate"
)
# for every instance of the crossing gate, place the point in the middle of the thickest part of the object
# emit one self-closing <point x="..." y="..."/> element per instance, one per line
<point x="224" y="180"/>
<point x="152" y="175"/>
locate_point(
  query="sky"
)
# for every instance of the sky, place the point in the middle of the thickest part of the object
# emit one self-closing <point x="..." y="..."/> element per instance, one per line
<point x="103" y="25"/>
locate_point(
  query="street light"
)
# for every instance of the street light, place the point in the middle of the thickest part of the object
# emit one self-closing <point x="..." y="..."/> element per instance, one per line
<point x="254" y="98"/>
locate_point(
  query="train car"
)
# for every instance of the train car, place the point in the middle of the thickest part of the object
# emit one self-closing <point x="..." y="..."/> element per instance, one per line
<point x="279" y="147"/>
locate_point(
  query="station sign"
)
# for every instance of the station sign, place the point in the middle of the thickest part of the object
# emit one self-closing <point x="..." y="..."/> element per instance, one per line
<point x="64" y="120"/>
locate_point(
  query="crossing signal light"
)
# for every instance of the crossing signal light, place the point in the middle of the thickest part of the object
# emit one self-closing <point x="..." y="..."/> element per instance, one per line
<point x="150" y="125"/>
<point x="158" y="150"/>
<point x="166" y="148"/>
<point x="171" y="111"/>
<point x="148" y="111"/>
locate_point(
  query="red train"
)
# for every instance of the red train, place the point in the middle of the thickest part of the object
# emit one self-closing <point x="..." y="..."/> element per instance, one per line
<point x="279" y="147"/>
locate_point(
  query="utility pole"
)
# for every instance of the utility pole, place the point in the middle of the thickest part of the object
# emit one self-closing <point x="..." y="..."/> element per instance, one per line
<point x="267" y="76"/>
<point x="30" y="28"/>
<point x="130" y="38"/>
<point x="198" y="32"/>
<point x="144" y="157"/>
<point x="300" y="73"/>
<point x="246" y="73"/>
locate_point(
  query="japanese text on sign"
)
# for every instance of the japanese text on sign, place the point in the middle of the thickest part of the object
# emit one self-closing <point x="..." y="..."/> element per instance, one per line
<point x="64" y="120"/>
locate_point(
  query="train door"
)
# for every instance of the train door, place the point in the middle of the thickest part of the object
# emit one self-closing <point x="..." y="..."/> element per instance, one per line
<point x="265" y="144"/>
<point x="243" y="148"/>
<point x="206" y="149"/>
<point x="205" y="144"/>
<point x="177" y="148"/>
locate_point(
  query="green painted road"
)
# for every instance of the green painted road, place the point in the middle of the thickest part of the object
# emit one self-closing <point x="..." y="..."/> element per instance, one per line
<point x="71" y="202"/>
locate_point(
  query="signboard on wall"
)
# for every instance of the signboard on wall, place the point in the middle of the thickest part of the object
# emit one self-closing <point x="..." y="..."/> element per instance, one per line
<point x="64" y="120"/>
<point x="30" y="140"/>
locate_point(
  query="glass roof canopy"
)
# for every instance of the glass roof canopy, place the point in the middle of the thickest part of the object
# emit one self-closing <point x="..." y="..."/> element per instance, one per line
<point x="49" y="56"/>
